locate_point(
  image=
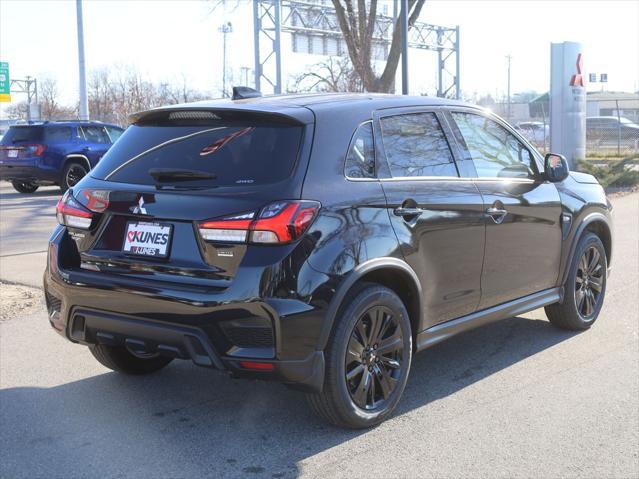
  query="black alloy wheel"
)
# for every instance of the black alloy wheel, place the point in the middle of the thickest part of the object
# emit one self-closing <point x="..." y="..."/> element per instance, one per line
<point x="589" y="282"/>
<point x="373" y="362"/>
<point x="73" y="174"/>
<point x="584" y="288"/>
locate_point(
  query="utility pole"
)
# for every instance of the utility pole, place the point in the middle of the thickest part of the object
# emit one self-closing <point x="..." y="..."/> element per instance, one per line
<point x="509" y="57"/>
<point x="225" y="29"/>
<point x="84" y="102"/>
<point x="404" y="26"/>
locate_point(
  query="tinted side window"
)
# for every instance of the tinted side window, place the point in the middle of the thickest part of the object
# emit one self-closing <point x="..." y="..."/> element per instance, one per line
<point x="495" y="152"/>
<point x="95" y="134"/>
<point x="57" y="134"/>
<point x="416" y="146"/>
<point x="360" y="159"/>
<point x="114" y="133"/>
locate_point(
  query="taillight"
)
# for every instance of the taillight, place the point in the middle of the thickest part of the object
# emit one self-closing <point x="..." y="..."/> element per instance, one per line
<point x="35" y="149"/>
<point x="70" y="212"/>
<point x="277" y="223"/>
<point x="94" y="200"/>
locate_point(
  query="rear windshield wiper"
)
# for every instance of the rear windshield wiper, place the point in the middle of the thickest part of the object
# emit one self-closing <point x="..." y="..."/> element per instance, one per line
<point x="164" y="175"/>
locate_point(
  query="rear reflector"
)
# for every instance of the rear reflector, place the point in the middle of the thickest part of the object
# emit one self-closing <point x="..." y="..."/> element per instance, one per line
<point x="256" y="366"/>
<point x="277" y="223"/>
<point x="70" y="212"/>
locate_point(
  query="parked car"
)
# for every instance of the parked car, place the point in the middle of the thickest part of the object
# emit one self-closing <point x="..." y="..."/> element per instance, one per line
<point x="53" y="153"/>
<point x="534" y="131"/>
<point x="612" y="131"/>
<point x="320" y="241"/>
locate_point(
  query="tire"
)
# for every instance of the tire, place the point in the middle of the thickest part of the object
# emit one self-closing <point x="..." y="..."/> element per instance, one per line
<point x="25" y="186"/>
<point x="73" y="172"/>
<point x="347" y="403"/>
<point x="119" y="359"/>
<point x="585" y="288"/>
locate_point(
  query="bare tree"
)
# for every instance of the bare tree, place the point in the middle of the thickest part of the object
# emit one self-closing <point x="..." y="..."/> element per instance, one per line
<point x="357" y="23"/>
<point x="50" y="108"/>
<point x="333" y="75"/>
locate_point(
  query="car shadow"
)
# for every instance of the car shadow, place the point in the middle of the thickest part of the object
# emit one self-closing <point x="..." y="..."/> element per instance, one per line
<point x="189" y="422"/>
<point x="50" y="191"/>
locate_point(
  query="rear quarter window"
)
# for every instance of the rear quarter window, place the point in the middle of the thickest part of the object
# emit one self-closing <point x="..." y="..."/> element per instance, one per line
<point x="234" y="153"/>
<point x="360" y="158"/>
<point x="57" y="134"/>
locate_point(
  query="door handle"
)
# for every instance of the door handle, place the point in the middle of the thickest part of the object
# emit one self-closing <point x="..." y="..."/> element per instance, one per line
<point x="497" y="214"/>
<point x="404" y="212"/>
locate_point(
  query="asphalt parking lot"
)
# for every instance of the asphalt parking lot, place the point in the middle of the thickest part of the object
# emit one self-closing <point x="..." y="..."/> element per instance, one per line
<point x="513" y="399"/>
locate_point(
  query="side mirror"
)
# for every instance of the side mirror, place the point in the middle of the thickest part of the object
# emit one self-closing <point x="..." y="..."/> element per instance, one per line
<point x="555" y="168"/>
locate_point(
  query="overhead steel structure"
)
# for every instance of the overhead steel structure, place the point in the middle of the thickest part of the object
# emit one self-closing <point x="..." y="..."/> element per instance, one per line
<point x="273" y="17"/>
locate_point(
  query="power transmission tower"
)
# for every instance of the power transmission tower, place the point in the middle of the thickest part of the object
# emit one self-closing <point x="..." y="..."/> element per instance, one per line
<point x="306" y="18"/>
<point x="28" y="86"/>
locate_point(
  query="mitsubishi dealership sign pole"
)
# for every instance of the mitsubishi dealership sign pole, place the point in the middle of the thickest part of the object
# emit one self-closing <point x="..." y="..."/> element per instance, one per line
<point x="567" y="101"/>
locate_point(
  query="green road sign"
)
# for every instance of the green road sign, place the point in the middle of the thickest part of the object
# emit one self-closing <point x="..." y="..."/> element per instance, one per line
<point x="5" y="83"/>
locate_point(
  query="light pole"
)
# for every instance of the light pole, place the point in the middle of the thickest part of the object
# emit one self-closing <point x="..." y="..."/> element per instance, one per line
<point x="225" y="29"/>
<point x="84" y="102"/>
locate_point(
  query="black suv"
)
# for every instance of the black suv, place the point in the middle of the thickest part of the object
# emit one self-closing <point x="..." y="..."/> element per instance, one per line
<point x="320" y="240"/>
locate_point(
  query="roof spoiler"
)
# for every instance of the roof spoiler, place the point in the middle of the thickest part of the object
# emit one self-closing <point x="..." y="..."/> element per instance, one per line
<point x="244" y="92"/>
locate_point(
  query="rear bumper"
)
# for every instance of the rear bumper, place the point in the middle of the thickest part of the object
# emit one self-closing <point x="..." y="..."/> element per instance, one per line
<point x="90" y="307"/>
<point x="142" y="336"/>
<point x="28" y="173"/>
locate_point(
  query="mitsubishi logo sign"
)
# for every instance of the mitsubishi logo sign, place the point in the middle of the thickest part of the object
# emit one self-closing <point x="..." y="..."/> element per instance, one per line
<point x="140" y="209"/>
<point x="578" y="79"/>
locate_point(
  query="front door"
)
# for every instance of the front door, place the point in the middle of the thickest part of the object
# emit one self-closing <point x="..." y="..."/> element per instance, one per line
<point x="437" y="216"/>
<point x="522" y="212"/>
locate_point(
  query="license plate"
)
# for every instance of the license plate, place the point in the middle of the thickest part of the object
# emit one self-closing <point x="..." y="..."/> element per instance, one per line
<point x="12" y="153"/>
<point x="147" y="239"/>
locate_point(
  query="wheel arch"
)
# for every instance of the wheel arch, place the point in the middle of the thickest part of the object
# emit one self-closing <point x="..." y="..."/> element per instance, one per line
<point x="77" y="158"/>
<point x="392" y="273"/>
<point x="598" y="224"/>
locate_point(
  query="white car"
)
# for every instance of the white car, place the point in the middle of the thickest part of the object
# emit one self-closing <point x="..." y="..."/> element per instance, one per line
<point x="535" y="132"/>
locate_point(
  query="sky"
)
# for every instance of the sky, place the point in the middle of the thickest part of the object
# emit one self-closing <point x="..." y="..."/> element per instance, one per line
<point x="168" y="40"/>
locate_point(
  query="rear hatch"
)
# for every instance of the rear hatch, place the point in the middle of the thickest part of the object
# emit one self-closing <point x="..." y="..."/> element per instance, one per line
<point x="20" y="143"/>
<point x="178" y="193"/>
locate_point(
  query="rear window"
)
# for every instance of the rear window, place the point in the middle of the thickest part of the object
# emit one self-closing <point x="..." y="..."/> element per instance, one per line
<point x="22" y="134"/>
<point x="234" y="153"/>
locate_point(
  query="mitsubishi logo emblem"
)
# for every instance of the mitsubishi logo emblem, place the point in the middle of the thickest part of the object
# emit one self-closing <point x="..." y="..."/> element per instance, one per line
<point x="140" y="209"/>
<point x="578" y="79"/>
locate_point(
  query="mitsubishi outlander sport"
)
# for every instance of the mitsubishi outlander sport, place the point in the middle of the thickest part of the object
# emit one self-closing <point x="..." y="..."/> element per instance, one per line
<point x="320" y="241"/>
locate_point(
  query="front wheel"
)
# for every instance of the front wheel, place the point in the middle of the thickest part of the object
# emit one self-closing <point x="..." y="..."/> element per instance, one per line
<point x="25" y="186"/>
<point x="584" y="289"/>
<point x="368" y="358"/>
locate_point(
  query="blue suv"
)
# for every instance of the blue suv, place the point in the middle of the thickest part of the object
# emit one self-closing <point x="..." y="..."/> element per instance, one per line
<point x="53" y="153"/>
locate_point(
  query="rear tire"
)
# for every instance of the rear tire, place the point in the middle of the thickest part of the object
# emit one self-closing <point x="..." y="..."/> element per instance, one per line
<point x="121" y="360"/>
<point x="367" y="360"/>
<point x="25" y="186"/>
<point x="584" y="289"/>
<point x="73" y="172"/>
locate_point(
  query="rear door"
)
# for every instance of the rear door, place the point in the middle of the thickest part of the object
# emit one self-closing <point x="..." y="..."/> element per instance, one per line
<point x="522" y="212"/>
<point x="436" y="214"/>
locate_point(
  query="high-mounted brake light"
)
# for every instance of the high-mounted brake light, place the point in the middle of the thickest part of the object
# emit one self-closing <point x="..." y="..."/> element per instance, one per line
<point x="277" y="223"/>
<point x="70" y="212"/>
